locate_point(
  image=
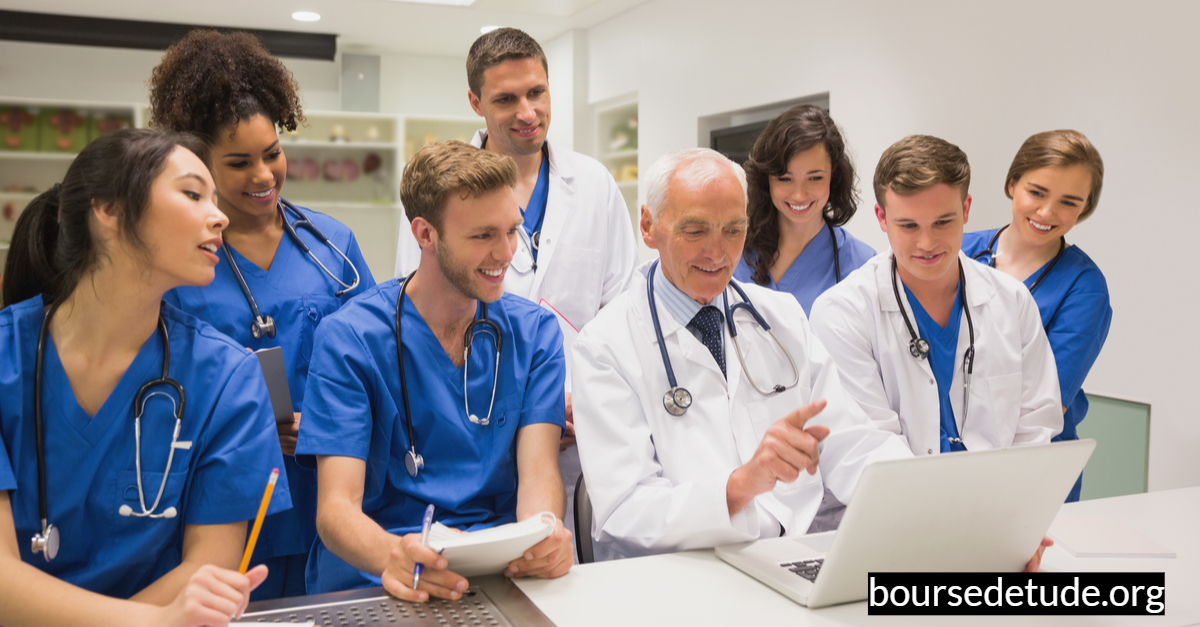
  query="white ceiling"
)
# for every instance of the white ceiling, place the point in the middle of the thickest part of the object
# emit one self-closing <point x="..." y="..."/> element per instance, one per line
<point x="362" y="25"/>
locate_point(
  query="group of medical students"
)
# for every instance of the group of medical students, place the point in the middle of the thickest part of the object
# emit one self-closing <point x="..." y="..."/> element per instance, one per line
<point x="732" y="389"/>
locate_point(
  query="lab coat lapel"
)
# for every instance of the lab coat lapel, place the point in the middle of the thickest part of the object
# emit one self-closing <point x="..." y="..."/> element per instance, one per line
<point x="681" y="345"/>
<point x="559" y="200"/>
<point x="980" y="291"/>
<point x="891" y="311"/>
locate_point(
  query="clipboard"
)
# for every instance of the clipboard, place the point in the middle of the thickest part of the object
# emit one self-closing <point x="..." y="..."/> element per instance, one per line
<point x="271" y="361"/>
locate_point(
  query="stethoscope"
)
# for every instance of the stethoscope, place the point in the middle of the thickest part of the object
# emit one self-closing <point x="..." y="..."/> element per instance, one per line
<point x="413" y="461"/>
<point x="678" y="399"/>
<point x="265" y="325"/>
<point x="47" y="542"/>
<point x="837" y="263"/>
<point x="990" y="251"/>
<point x="919" y="348"/>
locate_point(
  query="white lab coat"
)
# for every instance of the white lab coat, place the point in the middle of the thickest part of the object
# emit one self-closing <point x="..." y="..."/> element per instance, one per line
<point x="657" y="481"/>
<point x="585" y="260"/>
<point x="1014" y="390"/>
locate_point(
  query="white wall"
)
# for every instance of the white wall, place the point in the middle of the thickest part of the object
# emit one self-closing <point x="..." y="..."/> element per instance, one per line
<point x="118" y="75"/>
<point x="424" y="85"/>
<point x="984" y="76"/>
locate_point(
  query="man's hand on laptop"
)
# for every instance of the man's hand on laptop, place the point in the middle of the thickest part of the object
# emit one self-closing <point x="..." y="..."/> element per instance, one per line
<point x="1036" y="563"/>
<point x="787" y="449"/>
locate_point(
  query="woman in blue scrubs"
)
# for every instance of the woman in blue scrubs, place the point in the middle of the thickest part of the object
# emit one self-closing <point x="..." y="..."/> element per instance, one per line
<point x="801" y="182"/>
<point x="85" y="325"/>
<point x="231" y="92"/>
<point x="1054" y="183"/>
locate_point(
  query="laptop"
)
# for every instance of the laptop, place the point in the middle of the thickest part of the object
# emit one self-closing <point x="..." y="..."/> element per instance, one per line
<point x="980" y="511"/>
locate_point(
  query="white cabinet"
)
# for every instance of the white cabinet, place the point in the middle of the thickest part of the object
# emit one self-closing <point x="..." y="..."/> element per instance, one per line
<point x="617" y="148"/>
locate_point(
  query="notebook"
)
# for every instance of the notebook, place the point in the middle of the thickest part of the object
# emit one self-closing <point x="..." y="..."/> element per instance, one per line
<point x="488" y="551"/>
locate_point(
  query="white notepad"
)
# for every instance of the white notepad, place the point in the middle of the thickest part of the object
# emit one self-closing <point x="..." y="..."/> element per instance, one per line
<point x="488" y="551"/>
<point x="1098" y="536"/>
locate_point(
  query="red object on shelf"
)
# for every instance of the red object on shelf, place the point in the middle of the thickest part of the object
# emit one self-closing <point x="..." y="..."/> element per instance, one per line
<point x="349" y="170"/>
<point x="10" y="210"/>
<point x="371" y="163"/>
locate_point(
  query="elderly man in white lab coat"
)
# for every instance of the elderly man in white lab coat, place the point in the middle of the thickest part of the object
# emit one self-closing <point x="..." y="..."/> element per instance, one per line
<point x="576" y="252"/>
<point x="769" y="426"/>
<point x="948" y="377"/>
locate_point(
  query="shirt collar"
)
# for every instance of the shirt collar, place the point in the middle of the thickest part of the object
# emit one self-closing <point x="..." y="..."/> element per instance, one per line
<point x="681" y="306"/>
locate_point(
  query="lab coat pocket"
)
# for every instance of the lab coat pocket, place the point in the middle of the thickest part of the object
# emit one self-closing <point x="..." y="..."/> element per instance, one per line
<point x="1005" y="393"/>
<point x="313" y="309"/>
<point x="153" y="536"/>
<point x="774" y="408"/>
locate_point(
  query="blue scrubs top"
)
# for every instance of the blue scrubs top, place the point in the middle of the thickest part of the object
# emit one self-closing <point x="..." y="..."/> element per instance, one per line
<point x="943" y="349"/>
<point x="90" y="463"/>
<point x="812" y="272"/>
<point x="1074" y="305"/>
<point x="535" y="213"/>
<point x="354" y="410"/>
<point x="297" y="294"/>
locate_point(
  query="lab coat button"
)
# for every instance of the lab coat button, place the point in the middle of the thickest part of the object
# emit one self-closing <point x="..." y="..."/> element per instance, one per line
<point x="931" y="382"/>
<point x="929" y="452"/>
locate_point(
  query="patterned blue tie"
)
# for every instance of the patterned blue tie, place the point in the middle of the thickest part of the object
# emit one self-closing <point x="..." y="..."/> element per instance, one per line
<point x="707" y="325"/>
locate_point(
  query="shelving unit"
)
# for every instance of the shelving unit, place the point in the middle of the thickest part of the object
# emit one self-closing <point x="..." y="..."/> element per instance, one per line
<point x="617" y="148"/>
<point x="35" y="152"/>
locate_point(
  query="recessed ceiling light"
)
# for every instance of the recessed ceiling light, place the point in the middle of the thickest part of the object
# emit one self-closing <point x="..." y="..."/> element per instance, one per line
<point x="457" y="3"/>
<point x="306" y="16"/>
<point x="487" y="29"/>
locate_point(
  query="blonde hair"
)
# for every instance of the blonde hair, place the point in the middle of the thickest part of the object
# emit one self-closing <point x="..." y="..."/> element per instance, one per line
<point x="438" y="170"/>
<point x="1059" y="149"/>
<point x="919" y="162"/>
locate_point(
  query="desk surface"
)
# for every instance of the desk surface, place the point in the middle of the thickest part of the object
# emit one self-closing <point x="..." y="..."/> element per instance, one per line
<point x="696" y="588"/>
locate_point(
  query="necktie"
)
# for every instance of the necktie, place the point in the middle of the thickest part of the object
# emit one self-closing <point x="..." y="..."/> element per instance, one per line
<point x="707" y="323"/>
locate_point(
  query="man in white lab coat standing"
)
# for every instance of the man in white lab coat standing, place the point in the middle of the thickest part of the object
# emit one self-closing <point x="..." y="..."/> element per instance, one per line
<point x="945" y="351"/>
<point x="691" y="436"/>
<point x="576" y="252"/>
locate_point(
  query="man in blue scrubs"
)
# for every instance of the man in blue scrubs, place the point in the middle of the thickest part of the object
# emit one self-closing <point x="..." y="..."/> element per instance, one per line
<point x="492" y="464"/>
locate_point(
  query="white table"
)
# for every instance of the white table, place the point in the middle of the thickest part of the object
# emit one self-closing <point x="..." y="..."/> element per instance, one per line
<point x="696" y="588"/>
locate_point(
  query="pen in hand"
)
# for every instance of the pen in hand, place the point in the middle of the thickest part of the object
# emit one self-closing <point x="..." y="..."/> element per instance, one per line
<point x="424" y="542"/>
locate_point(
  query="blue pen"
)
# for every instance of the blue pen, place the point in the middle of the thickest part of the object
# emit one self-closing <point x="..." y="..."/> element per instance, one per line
<point x="424" y="542"/>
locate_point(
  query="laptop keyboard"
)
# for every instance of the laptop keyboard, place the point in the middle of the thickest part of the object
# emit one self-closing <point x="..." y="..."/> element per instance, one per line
<point x="807" y="569"/>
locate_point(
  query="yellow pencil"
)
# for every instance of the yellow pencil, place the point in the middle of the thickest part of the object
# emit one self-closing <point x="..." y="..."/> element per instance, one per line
<point x="258" y="520"/>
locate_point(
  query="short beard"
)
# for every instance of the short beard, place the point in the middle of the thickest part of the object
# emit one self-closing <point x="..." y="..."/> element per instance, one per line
<point x="458" y="274"/>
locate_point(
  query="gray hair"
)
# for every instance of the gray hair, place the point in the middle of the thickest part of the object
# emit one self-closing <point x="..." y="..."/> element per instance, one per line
<point x="698" y="166"/>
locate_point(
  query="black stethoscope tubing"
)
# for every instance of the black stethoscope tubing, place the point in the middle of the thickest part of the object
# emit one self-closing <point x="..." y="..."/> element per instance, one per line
<point x="677" y="400"/>
<point x="837" y="263"/>
<point x="266" y="325"/>
<point x="991" y="252"/>
<point x="919" y="347"/>
<point x="413" y="461"/>
<point x="47" y="542"/>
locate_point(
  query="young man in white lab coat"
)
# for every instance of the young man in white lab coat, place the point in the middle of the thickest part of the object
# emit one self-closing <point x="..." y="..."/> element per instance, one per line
<point x="576" y="252"/>
<point x="902" y="337"/>
<point x="739" y="464"/>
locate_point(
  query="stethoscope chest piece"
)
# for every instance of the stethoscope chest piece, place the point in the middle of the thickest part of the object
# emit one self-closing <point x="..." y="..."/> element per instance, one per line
<point x="46" y="542"/>
<point x="263" y="326"/>
<point x="677" y="400"/>
<point x="918" y="347"/>
<point x="413" y="462"/>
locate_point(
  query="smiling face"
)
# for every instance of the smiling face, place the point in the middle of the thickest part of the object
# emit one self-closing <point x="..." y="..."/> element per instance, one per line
<point x="515" y="101"/>
<point x="800" y="195"/>
<point x="1047" y="202"/>
<point x="925" y="231"/>
<point x="249" y="167"/>
<point x="700" y="233"/>
<point x="476" y="242"/>
<point x="182" y="224"/>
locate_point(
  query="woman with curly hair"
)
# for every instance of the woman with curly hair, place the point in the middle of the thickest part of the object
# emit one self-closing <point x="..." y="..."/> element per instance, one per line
<point x="1054" y="183"/>
<point x="801" y="192"/>
<point x="277" y="282"/>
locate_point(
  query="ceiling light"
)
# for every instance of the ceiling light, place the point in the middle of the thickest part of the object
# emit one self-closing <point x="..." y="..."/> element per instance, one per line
<point x="487" y="29"/>
<point x="457" y="3"/>
<point x="306" y="16"/>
